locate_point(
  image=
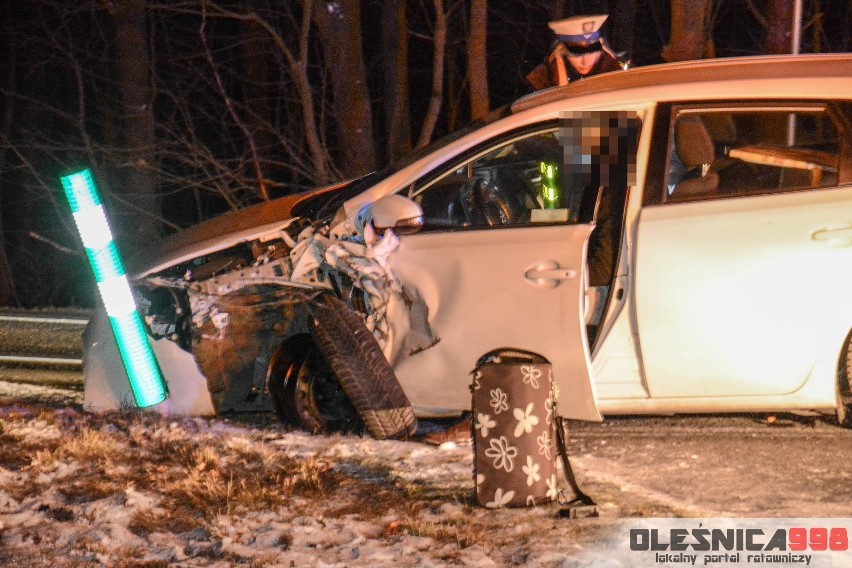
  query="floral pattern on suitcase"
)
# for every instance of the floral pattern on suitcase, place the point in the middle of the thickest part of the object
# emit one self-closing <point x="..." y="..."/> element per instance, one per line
<point x="513" y="434"/>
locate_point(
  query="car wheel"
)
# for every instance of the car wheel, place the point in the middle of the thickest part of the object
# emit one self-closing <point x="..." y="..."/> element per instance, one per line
<point x="355" y="357"/>
<point x="305" y="391"/>
<point x="844" y="385"/>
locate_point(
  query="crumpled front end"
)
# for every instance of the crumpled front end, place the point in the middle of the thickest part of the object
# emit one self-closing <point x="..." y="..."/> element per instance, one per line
<point x="232" y="310"/>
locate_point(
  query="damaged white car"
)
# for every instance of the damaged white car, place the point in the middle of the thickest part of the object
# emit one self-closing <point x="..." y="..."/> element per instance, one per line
<point x="675" y="238"/>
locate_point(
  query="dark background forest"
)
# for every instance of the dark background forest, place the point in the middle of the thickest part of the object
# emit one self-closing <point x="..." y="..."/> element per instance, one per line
<point x="185" y="109"/>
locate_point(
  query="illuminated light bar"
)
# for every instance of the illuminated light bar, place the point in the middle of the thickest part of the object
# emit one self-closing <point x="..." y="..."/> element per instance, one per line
<point x="549" y="189"/>
<point x="146" y="380"/>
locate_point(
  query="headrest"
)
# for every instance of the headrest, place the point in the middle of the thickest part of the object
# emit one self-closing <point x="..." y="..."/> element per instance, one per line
<point x="721" y="127"/>
<point x="692" y="142"/>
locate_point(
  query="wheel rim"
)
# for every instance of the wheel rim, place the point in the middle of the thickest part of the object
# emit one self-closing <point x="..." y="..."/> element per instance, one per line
<point x="320" y="397"/>
<point x="280" y="377"/>
<point x="305" y="391"/>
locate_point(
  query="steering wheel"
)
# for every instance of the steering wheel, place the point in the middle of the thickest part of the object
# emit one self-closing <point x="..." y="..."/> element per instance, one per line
<point x="491" y="204"/>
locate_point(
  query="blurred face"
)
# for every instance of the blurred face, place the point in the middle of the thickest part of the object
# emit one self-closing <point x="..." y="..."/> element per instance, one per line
<point x="584" y="62"/>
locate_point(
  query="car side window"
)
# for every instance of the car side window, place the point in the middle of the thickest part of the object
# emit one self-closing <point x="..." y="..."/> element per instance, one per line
<point x="513" y="183"/>
<point x="742" y="151"/>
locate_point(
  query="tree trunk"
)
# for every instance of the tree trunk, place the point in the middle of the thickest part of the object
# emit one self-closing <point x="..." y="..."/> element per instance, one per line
<point x="477" y="65"/>
<point x="690" y="31"/>
<point x="456" y="90"/>
<point x="255" y="48"/>
<point x="437" y="75"/>
<point x="9" y="63"/>
<point x="395" y="50"/>
<point x="138" y="122"/>
<point x="339" y="27"/>
<point x="621" y="25"/>
<point x="779" y="26"/>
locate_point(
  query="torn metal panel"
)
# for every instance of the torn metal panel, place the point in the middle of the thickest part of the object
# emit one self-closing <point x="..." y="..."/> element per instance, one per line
<point x="398" y="317"/>
<point x="234" y="336"/>
<point x="234" y="309"/>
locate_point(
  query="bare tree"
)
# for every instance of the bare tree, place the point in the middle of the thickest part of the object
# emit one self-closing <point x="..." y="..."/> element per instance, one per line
<point x="779" y="26"/>
<point x="9" y="48"/>
<point x="395" y="64"/>
<point x="256" y="166"/>
<point x="691" y="36"/>
<point x="437" y="93"/>
<point x="275" y="138"/>
<point x="187" y="109"/>
<point x="138" y="160"/>
<point x="622" y="24"/>
<point x="477" y="64"/>
<point x="254" y="61"/>
<point x="339" y="28"/>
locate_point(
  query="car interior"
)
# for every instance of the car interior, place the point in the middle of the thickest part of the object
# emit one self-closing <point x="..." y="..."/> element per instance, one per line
<point x="524" y="182"/>
<point x="751" y="152"/>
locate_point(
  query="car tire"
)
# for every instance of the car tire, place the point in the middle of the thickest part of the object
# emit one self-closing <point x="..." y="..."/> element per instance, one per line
<point x="844" y="385"/>
<point x="364" y="373"/>
<point x="305" y="391"/>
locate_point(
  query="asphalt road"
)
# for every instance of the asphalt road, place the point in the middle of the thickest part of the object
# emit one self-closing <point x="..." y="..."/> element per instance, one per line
<point x="680" y="466"/>
<point x="716" y="466"/>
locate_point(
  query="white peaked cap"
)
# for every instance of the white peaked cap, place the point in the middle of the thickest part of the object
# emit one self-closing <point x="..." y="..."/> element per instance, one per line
<point x="582" y="30"/>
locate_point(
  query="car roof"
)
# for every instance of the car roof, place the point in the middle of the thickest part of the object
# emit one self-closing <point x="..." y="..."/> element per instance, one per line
<point x="800" y="77"/>
<point x="668" y="76"/>
<point x="672" y="80"/>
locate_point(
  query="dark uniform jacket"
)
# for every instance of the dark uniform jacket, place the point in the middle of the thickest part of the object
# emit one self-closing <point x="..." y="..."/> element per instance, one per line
<point x="548" y="73"/>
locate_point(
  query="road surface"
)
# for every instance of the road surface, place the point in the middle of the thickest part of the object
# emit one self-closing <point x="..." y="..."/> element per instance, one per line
<point x="683" y="466"/>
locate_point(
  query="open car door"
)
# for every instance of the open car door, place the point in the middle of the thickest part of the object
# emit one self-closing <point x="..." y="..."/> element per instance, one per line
<point x="501" y="260"/>
<point x="512" y="287"/>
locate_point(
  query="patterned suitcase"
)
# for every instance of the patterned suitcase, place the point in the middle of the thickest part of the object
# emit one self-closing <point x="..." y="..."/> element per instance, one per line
<point x="513" y="430"/>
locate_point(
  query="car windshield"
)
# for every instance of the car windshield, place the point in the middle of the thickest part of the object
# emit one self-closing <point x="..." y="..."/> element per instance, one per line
<point x="323" y="206"/>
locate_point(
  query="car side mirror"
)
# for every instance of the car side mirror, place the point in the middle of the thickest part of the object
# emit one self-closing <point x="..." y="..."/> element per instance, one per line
<point x="399" y="213"/>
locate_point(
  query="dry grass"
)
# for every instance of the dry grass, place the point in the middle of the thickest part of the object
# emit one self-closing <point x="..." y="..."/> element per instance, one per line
<point x="210" y="485"/>
<point x="373" y="488"/>
<point x="200" y="476"/>
<point x="11" y="557"/>
<point x="132" y="563"/>
<point x="183" y="475"/>
<point x="180" y="520"/>
<point x="460" y="532"/>
<point x="87" y="489"/>
<point x="90" y="446"/>
<point x="44" y="460"/>
<point x="16" y="451"/>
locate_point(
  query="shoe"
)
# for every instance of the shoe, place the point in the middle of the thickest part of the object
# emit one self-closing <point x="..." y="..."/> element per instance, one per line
<point x="458" y="433"/>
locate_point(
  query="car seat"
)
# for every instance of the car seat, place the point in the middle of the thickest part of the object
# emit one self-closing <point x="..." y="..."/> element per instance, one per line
<point x="694" y="148"/>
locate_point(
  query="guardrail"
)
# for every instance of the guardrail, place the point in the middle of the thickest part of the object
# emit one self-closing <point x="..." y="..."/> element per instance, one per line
<point x="44" y="319"/>
<point x="39" y="340"/>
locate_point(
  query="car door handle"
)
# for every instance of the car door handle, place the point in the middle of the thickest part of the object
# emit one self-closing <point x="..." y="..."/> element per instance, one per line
<point x="549" y="274"/>
<point x="841" y="237"/>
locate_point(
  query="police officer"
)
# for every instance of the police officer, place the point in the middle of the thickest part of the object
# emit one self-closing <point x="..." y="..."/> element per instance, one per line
<point x="579" y="51"/>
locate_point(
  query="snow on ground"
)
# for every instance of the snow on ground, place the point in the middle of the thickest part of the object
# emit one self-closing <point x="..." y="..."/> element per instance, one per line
<point x="38" y="393"/>
<point x="140" y="490"/>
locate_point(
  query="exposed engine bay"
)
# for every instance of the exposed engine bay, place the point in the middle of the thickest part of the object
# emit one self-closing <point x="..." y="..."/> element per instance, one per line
<point x="243" y="310"/>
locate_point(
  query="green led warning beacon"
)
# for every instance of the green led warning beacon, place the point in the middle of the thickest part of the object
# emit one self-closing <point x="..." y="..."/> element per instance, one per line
<point x="146" y="379"/>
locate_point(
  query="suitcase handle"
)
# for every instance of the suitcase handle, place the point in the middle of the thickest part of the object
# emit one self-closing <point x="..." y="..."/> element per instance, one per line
<point x="510" y="355"/>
